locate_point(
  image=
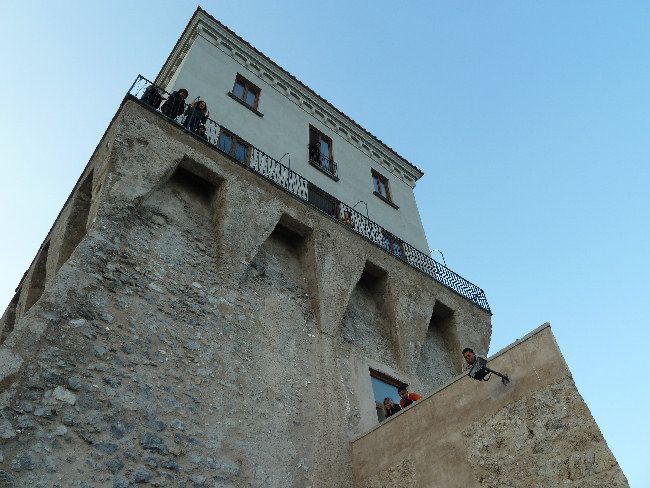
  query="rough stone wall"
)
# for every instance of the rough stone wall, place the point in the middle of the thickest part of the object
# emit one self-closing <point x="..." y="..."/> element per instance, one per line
<point x="209" y="330"/>
<point x="535" y="432"/>
<point x="546" y="438"/>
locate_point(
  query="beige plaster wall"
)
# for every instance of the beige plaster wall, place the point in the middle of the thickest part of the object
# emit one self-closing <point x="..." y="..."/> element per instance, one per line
<point x="208" y="70"/>
<point x="534" y="432"/>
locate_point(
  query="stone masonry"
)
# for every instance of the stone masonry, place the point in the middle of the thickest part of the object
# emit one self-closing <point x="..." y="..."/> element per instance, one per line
<point x="534" y="432"/>
<point x="187" y="323"/>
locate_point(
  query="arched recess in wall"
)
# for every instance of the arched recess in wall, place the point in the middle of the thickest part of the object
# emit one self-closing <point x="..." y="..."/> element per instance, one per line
<point x="280" y="278"/>
<point x="37" y="281"/>
<point x="177" y="220"/>
<point x="440" y="353"/>
<point x="77" y="224"/>
<point x="286" y="257"/>
<point x="369" y="323"/>
<point x="9" y="318"/>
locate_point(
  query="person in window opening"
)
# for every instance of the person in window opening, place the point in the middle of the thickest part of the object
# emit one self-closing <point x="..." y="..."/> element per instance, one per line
<point x="390" y="408"/>
<point x="201" y="132"/>
<point x="346" y="218"/>
<point x="196" y="114"/>
<point x="175" y="104"/>
<point x="406" y="397"/>
<point x="470" y="358"/>
<point x="314" y="152"/>
<point x="152" y="97"/>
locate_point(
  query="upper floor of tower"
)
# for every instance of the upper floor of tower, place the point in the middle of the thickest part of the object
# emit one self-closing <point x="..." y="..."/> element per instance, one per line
<point x="258" y="104"/>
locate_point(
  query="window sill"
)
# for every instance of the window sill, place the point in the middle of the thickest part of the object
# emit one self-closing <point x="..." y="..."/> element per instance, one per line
<point x="260" y="114"/>
<point x="323" y="170"/>
<point x="382" y="197"/>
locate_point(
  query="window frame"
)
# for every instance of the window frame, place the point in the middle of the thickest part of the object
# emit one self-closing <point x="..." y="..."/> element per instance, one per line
<point x="248" y="87"/>
<point x="377" y="178"/>
<point x="236" y="141"/>
<point x="321" y="137"/>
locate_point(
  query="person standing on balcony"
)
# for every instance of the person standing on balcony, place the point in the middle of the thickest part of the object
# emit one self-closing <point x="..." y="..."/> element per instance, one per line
<point x="152" y="97"/>
<point x="201" y="132"/>
<point x="406" y="397"/>
<point x="196" y="114"/>
<point x="175" y="104"/>
<point x="314" y="152"/>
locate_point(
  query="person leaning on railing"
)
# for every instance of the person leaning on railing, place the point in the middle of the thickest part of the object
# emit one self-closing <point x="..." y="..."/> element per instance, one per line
<point x="314" y="152"/>
<point x="196" y="114"/>
<point x="152" y="97"/>
<point x="406" y="397"/>
<point x="175" y="104"/>
<point x="346" y="218"/>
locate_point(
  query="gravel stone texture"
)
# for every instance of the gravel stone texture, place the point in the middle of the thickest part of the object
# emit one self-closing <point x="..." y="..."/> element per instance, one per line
<point x="213" y="332"/>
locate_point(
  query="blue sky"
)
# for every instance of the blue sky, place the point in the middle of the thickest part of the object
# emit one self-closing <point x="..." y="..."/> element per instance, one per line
<point x="529" y="119"/>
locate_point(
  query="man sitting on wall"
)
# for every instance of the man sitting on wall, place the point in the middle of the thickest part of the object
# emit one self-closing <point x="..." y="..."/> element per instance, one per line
<point x="407" y="398"/>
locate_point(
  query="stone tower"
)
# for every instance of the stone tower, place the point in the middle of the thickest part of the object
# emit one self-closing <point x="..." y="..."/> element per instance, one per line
<point x="202" y="314"/>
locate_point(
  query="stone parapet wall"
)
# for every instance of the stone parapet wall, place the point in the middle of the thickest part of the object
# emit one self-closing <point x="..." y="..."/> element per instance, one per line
<point x="198" y="326"/>
<point x="534" y="432"/>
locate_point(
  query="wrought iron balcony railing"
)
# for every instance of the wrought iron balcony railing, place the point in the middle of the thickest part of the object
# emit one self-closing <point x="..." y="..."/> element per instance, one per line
<point x="264" y="165"/>
<point x="321" y="160"/>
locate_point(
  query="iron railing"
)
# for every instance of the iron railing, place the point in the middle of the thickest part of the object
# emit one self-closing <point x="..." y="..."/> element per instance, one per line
<point x="321" y="160"/>
<point x="282" y="176"/>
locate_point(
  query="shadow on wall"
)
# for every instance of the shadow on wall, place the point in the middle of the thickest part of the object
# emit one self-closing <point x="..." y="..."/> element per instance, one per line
<point x="368" y="322"/>
<point x="439" y="359"/>
<point x="77" y="224"/>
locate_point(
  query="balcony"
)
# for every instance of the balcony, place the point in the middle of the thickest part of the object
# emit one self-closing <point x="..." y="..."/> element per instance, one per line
<point x="322" y="162"/>
<point x="274" y="171"/>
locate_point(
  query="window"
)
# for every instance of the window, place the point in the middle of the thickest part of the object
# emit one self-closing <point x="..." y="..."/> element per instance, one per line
<point x="233" y="146"/>
<point x="383" y="386"/>
<point x="392" y="244"/>
<point x="246" y="92"/>
<point x="381" y="186"/>
<point x="320" y="151"/>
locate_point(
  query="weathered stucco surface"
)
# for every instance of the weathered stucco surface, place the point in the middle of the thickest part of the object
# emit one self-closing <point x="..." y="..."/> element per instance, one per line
<point x="535" y="432"/>
<point x="187" y="323"/>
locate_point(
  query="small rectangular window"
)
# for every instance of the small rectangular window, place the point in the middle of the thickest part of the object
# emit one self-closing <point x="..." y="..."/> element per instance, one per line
<point x="384" y="387"/>
<point x="245" y="91"/>
<point x="234" y="147"/>
<point x="320" y="151"/>
<point x="380" y="183"/>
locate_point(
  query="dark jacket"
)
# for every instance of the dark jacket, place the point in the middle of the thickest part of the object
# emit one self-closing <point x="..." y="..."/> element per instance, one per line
<point x="394" y="409"/>
<point x="152" y="97"/>
<point x="193" y="118"/>
<point x="174" y="106"/>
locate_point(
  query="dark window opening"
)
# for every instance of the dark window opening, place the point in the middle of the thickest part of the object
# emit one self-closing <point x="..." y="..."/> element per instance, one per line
<point x="320" y="151"/>
<point x="380" y="183"/>
<point x="384" y="386"/>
